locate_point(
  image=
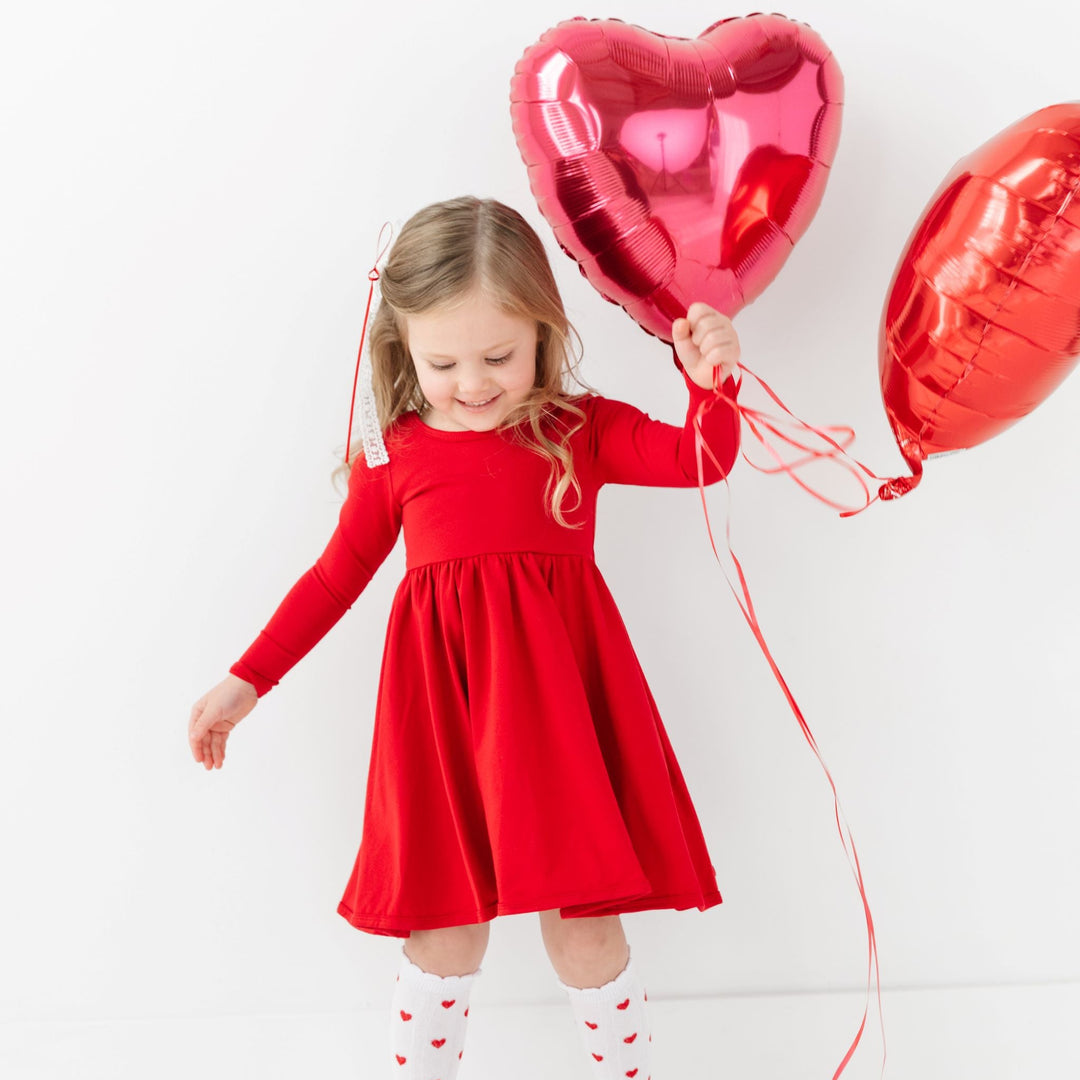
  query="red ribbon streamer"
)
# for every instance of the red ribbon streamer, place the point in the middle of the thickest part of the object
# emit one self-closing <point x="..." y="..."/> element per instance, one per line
<point x="373" y="276"/>
<point x="756" y="420"/>
<point x="753" y="419"/>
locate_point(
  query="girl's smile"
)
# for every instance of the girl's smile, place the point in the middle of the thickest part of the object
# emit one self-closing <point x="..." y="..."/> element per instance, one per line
<point x="476" y="405"/>
<point x="474" y="362"/>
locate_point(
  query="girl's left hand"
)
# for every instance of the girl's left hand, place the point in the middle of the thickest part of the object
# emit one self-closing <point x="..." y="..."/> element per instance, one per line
<point x="704" y="340"/>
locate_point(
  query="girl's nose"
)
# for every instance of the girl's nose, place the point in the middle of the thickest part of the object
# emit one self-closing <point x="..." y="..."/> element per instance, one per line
<point x="473" y="384"/>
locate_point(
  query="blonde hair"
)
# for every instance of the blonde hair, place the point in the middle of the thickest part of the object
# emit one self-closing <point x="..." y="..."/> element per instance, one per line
<point x="444" y="251"/>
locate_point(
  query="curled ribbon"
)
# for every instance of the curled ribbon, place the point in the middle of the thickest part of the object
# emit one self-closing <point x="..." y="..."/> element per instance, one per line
<point x="756" y="421"/>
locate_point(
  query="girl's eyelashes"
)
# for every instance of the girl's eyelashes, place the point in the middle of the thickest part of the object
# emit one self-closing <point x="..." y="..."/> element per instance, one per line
<point x="489" y="359"/>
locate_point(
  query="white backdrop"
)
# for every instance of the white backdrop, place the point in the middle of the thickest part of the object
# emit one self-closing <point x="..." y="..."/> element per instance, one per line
<point x="191" y="198"/>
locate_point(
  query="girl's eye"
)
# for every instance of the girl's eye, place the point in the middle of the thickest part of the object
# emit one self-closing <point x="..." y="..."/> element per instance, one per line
<point x="489" y="359"/>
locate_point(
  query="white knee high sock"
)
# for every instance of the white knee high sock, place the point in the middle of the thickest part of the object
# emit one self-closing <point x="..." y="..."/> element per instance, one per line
<point x="613" y="1025"/>
<point x="427" y="1023"/>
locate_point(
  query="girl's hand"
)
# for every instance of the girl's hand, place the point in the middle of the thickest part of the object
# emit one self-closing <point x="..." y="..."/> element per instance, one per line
<point x="215" y="714"/>
<point x="704" y="340"/>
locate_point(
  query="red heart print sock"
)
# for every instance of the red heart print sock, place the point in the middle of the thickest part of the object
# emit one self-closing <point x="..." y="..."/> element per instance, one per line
<point x="428" y="1017"/>
<point x="613" y="1026"/>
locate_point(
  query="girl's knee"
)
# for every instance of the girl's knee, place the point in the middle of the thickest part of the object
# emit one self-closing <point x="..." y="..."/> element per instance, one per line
<point x="448" y="950"/>
<point x="585" y="952"/>
<point x="602" y="936"/>
<point x="599" y="930"/>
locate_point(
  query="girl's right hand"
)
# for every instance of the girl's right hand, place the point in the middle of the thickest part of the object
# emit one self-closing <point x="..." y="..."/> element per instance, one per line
<point x="705" y="340"/>
<point x="214" y="716"/>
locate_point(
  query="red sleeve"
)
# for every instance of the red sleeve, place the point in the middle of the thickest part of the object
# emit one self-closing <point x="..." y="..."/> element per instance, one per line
<point x="367" y="530"/>
<point x="629" y="447"/>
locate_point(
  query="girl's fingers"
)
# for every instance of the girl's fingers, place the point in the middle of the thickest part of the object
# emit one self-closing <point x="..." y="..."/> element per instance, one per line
<point x="198" y="740"/>
<point x="203" y="748"/>
<point x="726" y="366"/>
<point x="708" y="320"/>
<point x="721" y="349"/>
<point x="716" y="337"/>
<point x="193" y="723"/>
<point x="201" y="736"/>
<point x="724" y="358"/>
<point x="699" y="310"/>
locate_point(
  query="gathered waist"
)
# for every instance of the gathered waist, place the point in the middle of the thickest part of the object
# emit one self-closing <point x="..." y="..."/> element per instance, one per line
<point x="499" y="556"/>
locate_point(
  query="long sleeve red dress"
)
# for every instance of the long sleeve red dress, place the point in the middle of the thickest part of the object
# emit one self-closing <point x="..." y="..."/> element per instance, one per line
<point x="518" y="760"/>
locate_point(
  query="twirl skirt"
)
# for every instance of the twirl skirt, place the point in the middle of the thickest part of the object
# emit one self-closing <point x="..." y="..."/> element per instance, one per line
<point x="518" y="760"/>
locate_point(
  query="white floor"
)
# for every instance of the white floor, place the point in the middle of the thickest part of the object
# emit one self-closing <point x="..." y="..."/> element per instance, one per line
<point x="1005" y="1033"/>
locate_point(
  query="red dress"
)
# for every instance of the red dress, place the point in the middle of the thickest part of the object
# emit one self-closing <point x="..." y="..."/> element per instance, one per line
<point x="518" y="761"/>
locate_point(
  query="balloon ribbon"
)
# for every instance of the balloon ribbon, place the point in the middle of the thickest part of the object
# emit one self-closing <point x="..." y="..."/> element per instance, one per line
<point x="754" y="421"/>
<point x="757" y="421"/>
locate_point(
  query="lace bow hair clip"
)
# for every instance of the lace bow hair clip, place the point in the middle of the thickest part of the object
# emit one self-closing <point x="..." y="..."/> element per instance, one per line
<point x="370" y="432"/>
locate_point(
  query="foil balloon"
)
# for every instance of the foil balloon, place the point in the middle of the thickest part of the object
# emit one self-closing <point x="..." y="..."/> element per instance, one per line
<point x="982" y="319"/>
<point x="675" y="169"/>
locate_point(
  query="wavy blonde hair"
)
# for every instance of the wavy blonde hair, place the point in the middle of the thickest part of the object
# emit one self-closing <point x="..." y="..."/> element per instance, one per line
<point x="445" y="251"/>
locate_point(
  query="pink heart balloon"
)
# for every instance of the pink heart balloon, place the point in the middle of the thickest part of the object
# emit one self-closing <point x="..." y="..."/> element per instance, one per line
<point x="676" y="169"/>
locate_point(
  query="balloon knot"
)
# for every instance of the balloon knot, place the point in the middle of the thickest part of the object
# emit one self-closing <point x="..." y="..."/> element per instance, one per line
<point x="894" y="489"/>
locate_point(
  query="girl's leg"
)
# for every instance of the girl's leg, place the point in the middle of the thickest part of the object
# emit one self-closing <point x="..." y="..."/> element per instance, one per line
<point x="431" y="1000"/>
<point x="452" y="950"/>
<point x="592" y="959"/>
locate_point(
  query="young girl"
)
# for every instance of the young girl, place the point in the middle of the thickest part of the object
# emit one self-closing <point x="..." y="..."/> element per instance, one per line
<point x="518" y="760"/>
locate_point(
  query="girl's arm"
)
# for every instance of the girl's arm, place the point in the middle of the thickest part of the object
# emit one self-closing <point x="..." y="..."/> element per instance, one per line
<point x="629" y="447"/>
<point x="367" y="530"/>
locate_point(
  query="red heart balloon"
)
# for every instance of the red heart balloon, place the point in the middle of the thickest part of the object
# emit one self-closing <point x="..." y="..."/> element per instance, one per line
<point x="982" y="319"/>
<point x="677" y="169"/>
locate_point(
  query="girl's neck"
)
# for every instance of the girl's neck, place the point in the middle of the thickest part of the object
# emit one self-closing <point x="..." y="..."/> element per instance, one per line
<point x="433" y="419"/>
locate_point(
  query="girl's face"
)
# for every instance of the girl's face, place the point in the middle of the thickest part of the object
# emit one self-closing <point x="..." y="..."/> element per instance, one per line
<point x="474" y="361"/>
